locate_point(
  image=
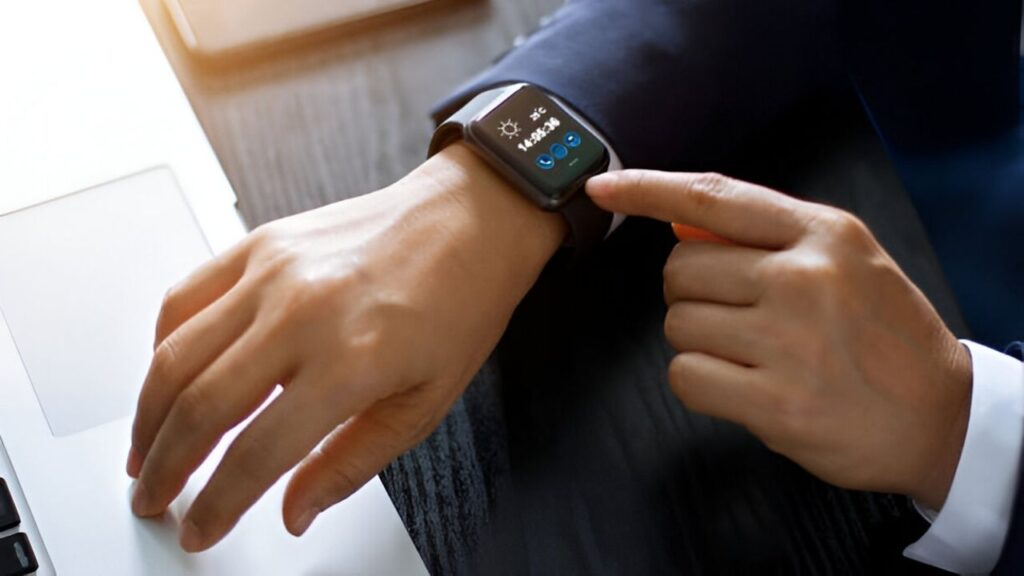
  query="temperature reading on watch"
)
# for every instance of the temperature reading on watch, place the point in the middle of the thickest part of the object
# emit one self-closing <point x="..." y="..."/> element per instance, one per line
<point x="539" y="134"/>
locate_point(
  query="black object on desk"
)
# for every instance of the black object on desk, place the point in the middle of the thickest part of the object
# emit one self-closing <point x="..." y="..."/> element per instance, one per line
<point x="16" y="556"/>
<point x="8" y="513"/>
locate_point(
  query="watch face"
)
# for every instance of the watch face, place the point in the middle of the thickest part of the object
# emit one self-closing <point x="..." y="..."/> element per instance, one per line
<point x="541" y="143"/>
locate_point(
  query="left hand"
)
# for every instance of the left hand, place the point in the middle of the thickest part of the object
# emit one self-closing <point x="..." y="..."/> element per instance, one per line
<point x="806" y="332"/>
<point x="373" y="314"/>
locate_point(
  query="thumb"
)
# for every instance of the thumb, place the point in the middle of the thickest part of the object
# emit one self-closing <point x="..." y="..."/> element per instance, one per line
<point x="351" y="456"/>
<point x="732" y="209"/>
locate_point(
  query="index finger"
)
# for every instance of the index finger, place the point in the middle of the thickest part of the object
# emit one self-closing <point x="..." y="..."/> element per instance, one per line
<point x="735" y="210"/>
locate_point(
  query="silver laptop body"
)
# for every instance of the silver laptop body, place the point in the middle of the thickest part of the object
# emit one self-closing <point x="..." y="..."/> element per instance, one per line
<point x="109" y="193"/>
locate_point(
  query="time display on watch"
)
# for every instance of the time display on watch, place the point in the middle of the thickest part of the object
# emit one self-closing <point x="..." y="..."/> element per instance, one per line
<point x="537" y="140"/>
<point x="540" y="133"/>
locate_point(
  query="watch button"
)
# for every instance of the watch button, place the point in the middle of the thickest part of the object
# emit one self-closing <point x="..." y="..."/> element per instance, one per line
<point x="559" y="151"/>
<point x="572" y="140"/>
<point x="545" y="162"/>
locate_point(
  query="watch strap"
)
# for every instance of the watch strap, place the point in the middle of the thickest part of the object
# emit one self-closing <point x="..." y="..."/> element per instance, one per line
<point x="453" y="128"/>
<point x="588" y="224"/>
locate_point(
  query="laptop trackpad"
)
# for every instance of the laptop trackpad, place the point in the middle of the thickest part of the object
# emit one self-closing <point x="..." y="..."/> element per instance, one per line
<point x="81" y="282"/>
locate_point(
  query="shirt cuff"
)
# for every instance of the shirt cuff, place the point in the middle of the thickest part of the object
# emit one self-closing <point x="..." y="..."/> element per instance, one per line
<point x="967" y="535"/>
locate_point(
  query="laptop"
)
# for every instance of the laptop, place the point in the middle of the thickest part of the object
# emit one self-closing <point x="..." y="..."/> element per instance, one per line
<point x="109" y="194"/>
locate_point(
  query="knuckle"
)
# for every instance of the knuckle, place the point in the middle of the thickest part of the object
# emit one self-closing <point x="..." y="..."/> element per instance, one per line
<point x="638" y="179"/>
<point x="169" y="309"/>
<point x="419" y="426"/>
<point x="761" y="272"/>
<point x="678" y="252"/>
<point x="269" y="243"/>
<point x="680" y="377"/>
<point x="712" y="183"/>
<point x="417" y="414"/>
<point x="209" y="512"/>
<point x="807" y="272"/>
<point x="191" y="409"/>
<point x="819" y="284"/>
<point x="794" y="416"/>
<point x="425" y="425"/>
<point x="850" y="227"/>
<point x="670" y="284"/>
<point x="165" y="358"/>
<point x="842" y="226"/>
<point x="675" y="326"/>
<point x="249" y="456"/>
<point x="673" y="274"/>
<point x="264" y="235"/>
<point x="790" y="411"/>
<point x="343" y="476"/>
<point x="171" y="298"/>
<point x="710" y="188"/>
<point x="305" y="295"/>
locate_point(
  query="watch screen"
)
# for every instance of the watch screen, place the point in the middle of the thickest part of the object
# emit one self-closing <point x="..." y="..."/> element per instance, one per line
<point x="542" y="143"/>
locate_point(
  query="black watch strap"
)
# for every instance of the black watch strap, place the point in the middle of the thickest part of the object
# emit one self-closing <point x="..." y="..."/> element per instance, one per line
<point x="588" y="224"/>
<point x="451" y="129"/>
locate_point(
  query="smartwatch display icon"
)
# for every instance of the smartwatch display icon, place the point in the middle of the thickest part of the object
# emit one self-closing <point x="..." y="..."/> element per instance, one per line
<point x="559" y="151"/>
<point x="572" y="140"/>
<point x="545" y="162"/>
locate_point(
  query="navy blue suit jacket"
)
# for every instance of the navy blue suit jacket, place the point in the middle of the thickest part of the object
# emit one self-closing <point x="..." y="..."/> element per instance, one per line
<point x="682" y="85"/>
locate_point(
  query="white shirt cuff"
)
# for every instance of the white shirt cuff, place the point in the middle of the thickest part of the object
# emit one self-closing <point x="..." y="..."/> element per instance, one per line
<point x="967" y="535"/>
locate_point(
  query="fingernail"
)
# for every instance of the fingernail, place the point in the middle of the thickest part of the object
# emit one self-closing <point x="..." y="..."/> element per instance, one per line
<point x="134" y="465"/>
<point x="304" y="521"/>
<point x="140" y="500"/>
<point x="191" y="539"/>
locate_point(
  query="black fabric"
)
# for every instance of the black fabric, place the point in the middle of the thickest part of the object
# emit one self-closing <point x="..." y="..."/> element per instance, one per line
<point x="934" y="74"/>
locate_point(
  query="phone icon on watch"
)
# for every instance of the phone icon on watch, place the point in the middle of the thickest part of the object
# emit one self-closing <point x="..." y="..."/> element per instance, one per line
<point x="545" y="162"/>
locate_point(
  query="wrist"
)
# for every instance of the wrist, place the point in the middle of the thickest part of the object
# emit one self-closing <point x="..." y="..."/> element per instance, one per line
<point x="938" y="478"/>
<point x="487" y="214"/>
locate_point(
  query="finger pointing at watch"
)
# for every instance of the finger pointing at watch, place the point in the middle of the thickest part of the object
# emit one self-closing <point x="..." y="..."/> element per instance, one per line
<point x="806" y="332"/>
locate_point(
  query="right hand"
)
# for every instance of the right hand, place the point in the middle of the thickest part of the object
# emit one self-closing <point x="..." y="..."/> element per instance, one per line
<point x="373" y="313"/>
<point x="803" y="329"/>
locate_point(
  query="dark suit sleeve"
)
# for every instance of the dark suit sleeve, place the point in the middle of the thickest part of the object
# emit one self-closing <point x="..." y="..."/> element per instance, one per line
<point x="1012" y="560"/>
<point x="674" y="85"/>
<point x="678" y="84"/>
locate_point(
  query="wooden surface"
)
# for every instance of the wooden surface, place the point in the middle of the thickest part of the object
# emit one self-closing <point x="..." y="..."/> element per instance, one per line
<point x="581" y="461"/>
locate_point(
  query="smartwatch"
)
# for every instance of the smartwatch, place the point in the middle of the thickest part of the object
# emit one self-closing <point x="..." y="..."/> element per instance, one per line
<point x="540" y="148"/>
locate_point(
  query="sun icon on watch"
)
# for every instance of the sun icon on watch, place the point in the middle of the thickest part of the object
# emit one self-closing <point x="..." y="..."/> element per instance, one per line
<point x="509" y="129"/>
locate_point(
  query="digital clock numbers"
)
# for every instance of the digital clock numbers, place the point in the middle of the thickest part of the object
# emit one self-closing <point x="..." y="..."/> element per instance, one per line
<point x="539" y="134"/>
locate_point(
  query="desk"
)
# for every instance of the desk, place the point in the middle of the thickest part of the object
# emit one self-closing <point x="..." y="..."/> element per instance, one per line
<point x="578" y="461"/>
